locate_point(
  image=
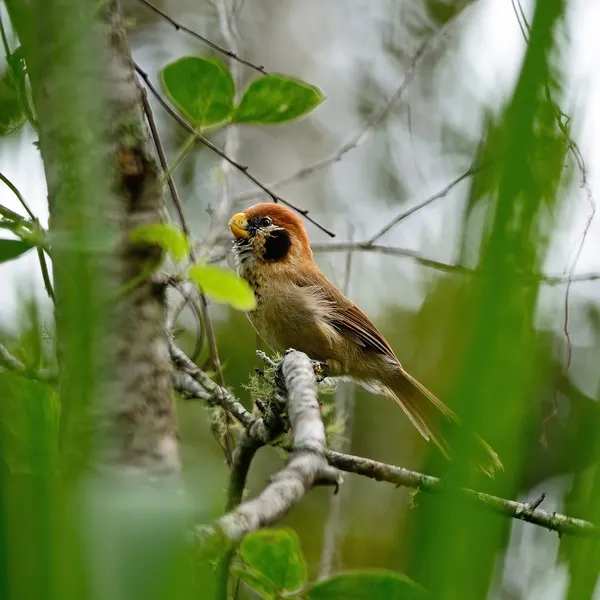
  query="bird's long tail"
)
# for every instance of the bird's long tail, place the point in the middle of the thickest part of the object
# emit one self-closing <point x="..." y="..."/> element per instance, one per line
<point x="430" y="416"/>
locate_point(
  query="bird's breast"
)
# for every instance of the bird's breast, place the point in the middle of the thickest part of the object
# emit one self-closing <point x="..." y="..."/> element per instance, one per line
<point x="288" y="316"/>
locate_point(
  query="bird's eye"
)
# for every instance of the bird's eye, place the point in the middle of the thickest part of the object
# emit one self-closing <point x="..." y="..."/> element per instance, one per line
<point x="265" y="221"/>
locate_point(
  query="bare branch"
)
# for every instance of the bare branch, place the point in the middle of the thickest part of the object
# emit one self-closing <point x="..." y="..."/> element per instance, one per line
<point x="242" y="168"/>
<point x="192" y="382"/>
<point x="45" y="273"/>
<point x="307" y="466"/>
<point x="552" y="521"/>
<point x="179" y="27"/>
<point x="398" y="476"/>
<point x="13" y="188"/>
<point x="407" y="213"/>
<point x="445" y="267"/>
<point x="393" y="251"/>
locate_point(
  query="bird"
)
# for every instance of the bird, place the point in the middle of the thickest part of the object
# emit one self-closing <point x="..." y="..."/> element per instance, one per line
<point x="298" y="307"/>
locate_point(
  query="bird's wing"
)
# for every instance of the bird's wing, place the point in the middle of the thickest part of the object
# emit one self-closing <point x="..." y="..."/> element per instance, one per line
<point x="346" y="317"/>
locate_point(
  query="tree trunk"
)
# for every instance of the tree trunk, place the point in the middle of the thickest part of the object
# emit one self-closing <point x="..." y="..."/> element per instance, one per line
<point x="102" y="181"/>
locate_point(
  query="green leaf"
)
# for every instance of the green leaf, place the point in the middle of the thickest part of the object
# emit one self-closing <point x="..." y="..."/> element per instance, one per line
<point x="169" y="238"/>
<point x="10" y="249"/>
<point x="276" y="99"/>
<point x="201" y="88"/>
<point x="264" y="588"/>
<point x="223" y="286"/>
<point x="367" y="585"/>
<point x="12" y="115"/>
<point x="274" y="559"/>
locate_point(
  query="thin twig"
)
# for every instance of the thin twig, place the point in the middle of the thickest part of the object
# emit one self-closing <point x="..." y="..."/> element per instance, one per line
<point x="232" y="139"/>
<point x="247" y="447"/>
<point x="307" y="466"/>
<point x="441" y="266"/>
<point x="202" y="387"/>
<point x="437" y="196"/>
<point x="45" y="273"/>
<point x="242" y="168"/>
<point x="393" y="251"/>
<point x="18" y="194"/>
<point x="207" y="321"/>
<point x="360" y="136"/>
<point x="198" y="314"/>
<point x="179" y="27"/>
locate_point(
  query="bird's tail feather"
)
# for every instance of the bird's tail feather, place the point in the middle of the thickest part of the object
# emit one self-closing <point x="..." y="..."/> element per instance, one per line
<point x="424" y="410"/>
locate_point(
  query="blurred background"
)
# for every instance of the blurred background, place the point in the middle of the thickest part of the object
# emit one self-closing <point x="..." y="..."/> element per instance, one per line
<point x="477" y="323"/>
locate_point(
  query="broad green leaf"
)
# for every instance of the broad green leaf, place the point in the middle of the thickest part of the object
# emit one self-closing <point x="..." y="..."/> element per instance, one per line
<point x="276" y="99"/>
<point x="223" y="286"/>
<point x="10" y="249"/>
<point x="201" y="88"/>
<point x="275" y="558"/>
<point x="12" y="115"/>
<point x="169" y="238"/>
<point x="367" y="585"/>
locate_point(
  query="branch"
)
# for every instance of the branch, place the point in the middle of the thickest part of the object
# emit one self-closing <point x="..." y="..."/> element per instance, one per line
<point x="306" y="468"/>
<point x="441" y="266"/>
<point x="441" y="194"/>
<point x="530" y="513"/>
<point x="359" y="137"/>
<point x="13" y="188"/>
<point x="240" y="167"/>
<point x="179" y="27"/>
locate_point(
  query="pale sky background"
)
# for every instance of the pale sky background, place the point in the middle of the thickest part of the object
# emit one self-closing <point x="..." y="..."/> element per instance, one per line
<point x="330" y="44"/>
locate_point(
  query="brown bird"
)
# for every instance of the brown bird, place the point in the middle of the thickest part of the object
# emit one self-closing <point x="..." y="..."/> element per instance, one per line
<point x="298" y="307"/>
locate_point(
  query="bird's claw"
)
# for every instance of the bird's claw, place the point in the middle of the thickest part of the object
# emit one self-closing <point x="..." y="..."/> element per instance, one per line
<point x="321" y="370"/>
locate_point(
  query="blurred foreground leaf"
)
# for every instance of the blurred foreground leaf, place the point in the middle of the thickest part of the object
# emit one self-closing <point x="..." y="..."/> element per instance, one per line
<point x="169" y="238"/>
<point x="10" y="249"/>
<point x="223" y="286"/>
<point x="367" y="585"/>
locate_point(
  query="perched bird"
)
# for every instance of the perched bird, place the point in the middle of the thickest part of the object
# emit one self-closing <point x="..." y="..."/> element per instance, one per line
<point x="298" y="307"/>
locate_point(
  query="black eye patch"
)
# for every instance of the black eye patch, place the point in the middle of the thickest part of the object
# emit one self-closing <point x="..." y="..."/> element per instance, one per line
<point x="277" y="245"/>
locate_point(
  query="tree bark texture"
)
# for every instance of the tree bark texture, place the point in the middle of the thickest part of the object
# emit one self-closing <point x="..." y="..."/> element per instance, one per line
<point x="115" y="377"/>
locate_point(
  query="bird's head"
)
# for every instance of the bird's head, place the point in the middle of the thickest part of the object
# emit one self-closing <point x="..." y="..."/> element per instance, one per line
<point x="269" y="233"/>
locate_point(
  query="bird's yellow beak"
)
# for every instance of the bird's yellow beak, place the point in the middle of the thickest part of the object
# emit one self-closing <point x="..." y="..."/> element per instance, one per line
<point x="239" y="225"/>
